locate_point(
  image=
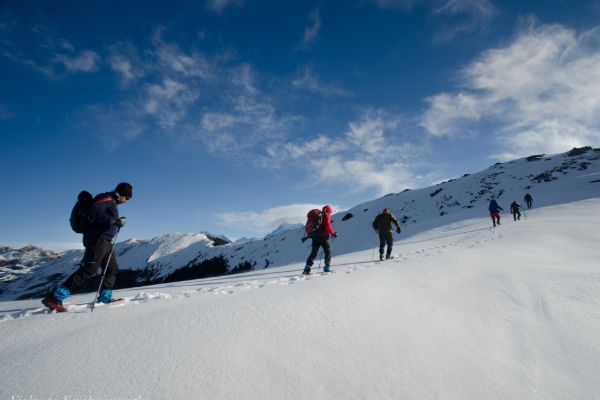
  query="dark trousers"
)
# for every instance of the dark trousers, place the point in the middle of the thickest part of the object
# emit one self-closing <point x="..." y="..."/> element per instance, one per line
<point x="516" y="215"/>
<point x="316" y="243"/>
<point x="95" y="257"/>
<point x="386" y="238"/>
<point x="529" y="203"/>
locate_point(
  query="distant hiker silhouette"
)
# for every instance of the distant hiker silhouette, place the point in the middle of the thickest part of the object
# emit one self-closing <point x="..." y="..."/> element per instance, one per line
<point x="98" y="241"/>
<point x="528" y="200"/>
<point x="495" y="211"/>
<point x="383" y="226"/>
<point x="320" y="238"/>
<point x="514" y="210"/>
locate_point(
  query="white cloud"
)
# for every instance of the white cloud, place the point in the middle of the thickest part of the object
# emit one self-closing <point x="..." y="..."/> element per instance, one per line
<point x="266" y="221"/>
<point x="447" y="112"/>
<point x="54" y="57"/>
<point x="312" y="32"/>
<point x="320" y="145"/>
<point x="175" y="61"/>
<point x="243" y="76"/>
<point x="125" y="61"/>
<point x="542" y="90"/>
<point x="246" y="132"/>
<point x="214" y="122"/>
<point x="312" y="84"/>
<point x="86" y="61"/>
<point x="368" y="135"/>
<point x="370" y="155"/>
<point x="218" y="6"/>
<point x="169" y="101"/>
<point x="365" y="174"/>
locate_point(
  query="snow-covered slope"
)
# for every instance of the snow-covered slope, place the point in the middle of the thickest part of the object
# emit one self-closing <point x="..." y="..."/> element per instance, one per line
<point x="550" y="180"/>
<point x="18" y="262"/>
<point x="464" y="311"/>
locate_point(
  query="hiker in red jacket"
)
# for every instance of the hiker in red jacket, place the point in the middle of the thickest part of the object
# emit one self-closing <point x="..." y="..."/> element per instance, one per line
<point x="320" y="238"/>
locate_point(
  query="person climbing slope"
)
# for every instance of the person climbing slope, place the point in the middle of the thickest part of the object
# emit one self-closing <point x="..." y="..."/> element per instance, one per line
<point x="320" y="238"/>
<point x="383" y="227"/>
<point x="495" y="211"/>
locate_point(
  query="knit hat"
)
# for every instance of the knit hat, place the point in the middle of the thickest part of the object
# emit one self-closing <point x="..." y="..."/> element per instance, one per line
<point x="327" y="209"/>
<point x="124" y="189"/>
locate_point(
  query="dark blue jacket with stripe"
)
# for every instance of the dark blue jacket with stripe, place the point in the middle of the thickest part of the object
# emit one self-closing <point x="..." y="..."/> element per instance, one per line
<point x="104" y="214"/>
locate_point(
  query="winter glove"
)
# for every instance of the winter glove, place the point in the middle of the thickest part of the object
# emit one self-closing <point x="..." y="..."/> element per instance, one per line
<point x="120" y="222"/>
<point x="335" y="235"/>
<point x="398" y="230"/>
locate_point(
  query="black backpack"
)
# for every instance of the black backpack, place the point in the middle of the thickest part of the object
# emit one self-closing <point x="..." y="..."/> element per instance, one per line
<point x="375" y="223"/>
<point x="80" y="215"/>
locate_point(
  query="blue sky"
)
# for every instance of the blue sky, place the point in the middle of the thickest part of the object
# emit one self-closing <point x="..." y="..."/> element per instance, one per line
<point x="232" y="116"/>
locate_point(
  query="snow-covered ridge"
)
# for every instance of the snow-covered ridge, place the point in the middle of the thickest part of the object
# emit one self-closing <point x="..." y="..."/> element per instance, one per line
<point x="18" y="262"/>
<point x="496" y="313"/>
<point x="284" y="227"/>
<point x="556" y="179"/>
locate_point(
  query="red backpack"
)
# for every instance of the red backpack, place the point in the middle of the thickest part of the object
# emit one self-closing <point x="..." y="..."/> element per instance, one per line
<point x="313" y="222"/>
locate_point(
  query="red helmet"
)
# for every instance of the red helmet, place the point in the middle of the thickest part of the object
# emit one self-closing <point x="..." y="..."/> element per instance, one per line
<point x="327" y="209"/>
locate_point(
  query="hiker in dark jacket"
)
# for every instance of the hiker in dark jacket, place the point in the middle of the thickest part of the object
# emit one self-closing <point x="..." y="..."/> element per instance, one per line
<point x="97" y="240"/>
<point x="514" y="210"/>
<point x="495" y="211"/>
<point x="383" y="226"/>
<point x="320" y="238"/>
<point x="528" y="200"/>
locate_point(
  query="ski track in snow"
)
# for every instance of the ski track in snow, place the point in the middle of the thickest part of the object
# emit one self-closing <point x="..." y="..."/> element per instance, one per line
<point x="476" y="237"/>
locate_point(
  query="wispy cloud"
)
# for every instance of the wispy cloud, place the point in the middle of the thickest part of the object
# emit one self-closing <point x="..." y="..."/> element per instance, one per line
<point x="463" y="16"/>
<point x="312" y="31"/>
<point x="168" y="101"/>
<point x="173" y="60"/>
<point x="246" y="130"/>
<point x="371" y="155"/>
<point x="5" y="113"/>
<point x="453" y="16"/>
<point x="114" y="124"/>
<point x="7" y="23"/>
<point x="263" y="222"/>
<point x="312" y="84"/>
<point x="543" y="91"/>
<point x="85" y="61"/>
<point x="219" y="6"/>
<point x="125" y="61"/>
<point x="55" y="56"/>
<point x="397" y="4"/>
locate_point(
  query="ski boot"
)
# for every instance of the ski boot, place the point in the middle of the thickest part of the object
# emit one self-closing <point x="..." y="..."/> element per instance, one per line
<point x="105" y="296"/>
<point x="53" y="304"/>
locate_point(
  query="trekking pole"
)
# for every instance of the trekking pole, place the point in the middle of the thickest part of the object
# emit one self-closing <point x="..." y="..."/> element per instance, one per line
<point x="105" y="269"/>
<point x="320" y="257"/>
<point x="374" y="246"/>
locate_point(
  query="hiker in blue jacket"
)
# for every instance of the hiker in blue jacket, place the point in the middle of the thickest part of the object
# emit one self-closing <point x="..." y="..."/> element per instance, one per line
<point x="495" y="211"/>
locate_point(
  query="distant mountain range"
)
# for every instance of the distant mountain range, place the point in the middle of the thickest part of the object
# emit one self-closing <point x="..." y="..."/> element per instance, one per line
<point x="574" y="175"/>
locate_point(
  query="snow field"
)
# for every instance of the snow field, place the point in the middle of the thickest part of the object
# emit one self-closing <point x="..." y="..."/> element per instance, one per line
<point x="463" y="311"/>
